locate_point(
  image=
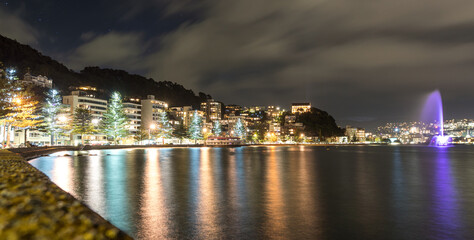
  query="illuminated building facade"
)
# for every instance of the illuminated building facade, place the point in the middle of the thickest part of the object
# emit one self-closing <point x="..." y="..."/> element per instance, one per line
<point x="133" y="109"/>
<point x="183" y="114"/>
<point x="85" y="98"/>
<point x="300" y="107"/>
<point x="150" y="110"/>
<point x="212" y="110"/>
<point x="358" y="133"/>
<point x="232" y="110"/>
<point x="39" y="80"/>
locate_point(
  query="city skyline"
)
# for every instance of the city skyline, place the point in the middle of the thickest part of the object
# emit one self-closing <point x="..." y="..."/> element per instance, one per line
<point x="365" y="69"/>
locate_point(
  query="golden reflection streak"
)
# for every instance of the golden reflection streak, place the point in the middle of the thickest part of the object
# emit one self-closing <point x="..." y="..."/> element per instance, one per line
<point x="274" y="207"/>
<point x="233" y="187"/>
<point x="155" y="220"/>
<point x="207" y="210"/>
<point x="62" y="171"/>
<point x="308" y="204"/>
<point x="95" y="195"/>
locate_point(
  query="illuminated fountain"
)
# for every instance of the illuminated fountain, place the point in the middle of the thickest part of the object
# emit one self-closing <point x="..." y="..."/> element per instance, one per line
<point x="433" y="110"/>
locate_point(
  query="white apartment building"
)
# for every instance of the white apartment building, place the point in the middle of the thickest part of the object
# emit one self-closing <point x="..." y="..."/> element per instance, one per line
<point x="150" y="109"/>
<point x="133" y="110"/>
<point x="37" y="138"/>
<point x="87" y="100"/>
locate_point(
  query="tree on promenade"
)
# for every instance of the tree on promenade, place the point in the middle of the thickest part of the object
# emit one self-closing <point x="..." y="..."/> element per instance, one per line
<point x="5" y="87"/>
<point x="164" y="128"/>
<point x="18" y="108"/>
<point x="217" y="128"/>
<point x="141" y="135"/>
<point x="51" y="110"/>
<point x="195" y="128"/>
<point x="115" y="120"/>
<point x="82" y="123"/>
<point x="180" y="132"/>
<point x="239" y="129"/>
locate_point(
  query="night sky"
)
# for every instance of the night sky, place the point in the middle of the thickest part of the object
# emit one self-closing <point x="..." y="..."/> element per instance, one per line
<point x="366" y="62"/>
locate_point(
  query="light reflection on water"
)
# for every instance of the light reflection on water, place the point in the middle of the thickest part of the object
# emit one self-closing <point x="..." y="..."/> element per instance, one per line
<point x="275" y="192"/>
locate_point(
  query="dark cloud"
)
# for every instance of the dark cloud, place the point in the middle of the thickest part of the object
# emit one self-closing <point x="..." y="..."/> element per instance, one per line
<point x="14" y="27"/>
<point x="120" y="50"/>
<point x="376" y="53"/>
<point x="364" y="61"/>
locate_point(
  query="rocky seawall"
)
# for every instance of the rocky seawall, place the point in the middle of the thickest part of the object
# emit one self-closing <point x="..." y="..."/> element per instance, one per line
<point x="33" y="207"/>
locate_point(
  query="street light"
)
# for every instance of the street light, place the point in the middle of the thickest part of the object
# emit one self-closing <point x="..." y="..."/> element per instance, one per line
<point x="62" y="118"/>
<point x="152" y="126"/>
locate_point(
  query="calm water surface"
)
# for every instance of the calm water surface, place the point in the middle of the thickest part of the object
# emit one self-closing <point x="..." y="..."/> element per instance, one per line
<point x="379" y="192"/>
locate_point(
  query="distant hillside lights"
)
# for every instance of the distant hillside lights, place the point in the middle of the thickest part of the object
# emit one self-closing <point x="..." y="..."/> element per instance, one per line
<point x="460" y="130"/>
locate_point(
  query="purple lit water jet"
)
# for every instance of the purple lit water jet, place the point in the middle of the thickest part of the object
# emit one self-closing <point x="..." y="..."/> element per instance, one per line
<point x="433" y="112"/>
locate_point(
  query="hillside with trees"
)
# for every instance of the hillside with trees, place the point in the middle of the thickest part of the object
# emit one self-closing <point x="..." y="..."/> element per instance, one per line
<point x="23" y="57"/>
<point x="319" y="123"/>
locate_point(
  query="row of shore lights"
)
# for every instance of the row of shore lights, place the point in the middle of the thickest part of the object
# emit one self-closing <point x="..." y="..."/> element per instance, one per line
<point x="153" y="127"/>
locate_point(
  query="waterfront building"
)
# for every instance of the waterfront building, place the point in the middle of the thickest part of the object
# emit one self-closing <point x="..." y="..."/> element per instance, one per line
<point x="355" y="132"/>
<point x="132" y="108"/>
<point x="182" y="114"/>
<point x="86" y="98"/>
<point x="150" y="110"/>
<point x="37" y="138"/>
<point x="300" y="107"/>
<point x="34" y="137"/>
<point x="212" y="110"/>
<point x="229" y="124"/>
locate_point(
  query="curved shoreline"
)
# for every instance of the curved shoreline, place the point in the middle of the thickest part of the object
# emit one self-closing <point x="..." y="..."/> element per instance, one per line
<point x="35" y="152"/>
<point x="31" y="153"/>
<point x="32" y="206"/>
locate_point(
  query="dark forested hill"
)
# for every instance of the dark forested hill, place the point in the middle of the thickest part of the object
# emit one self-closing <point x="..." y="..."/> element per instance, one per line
<point x="319" y="123"/>
<point x="23" y="57"/>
